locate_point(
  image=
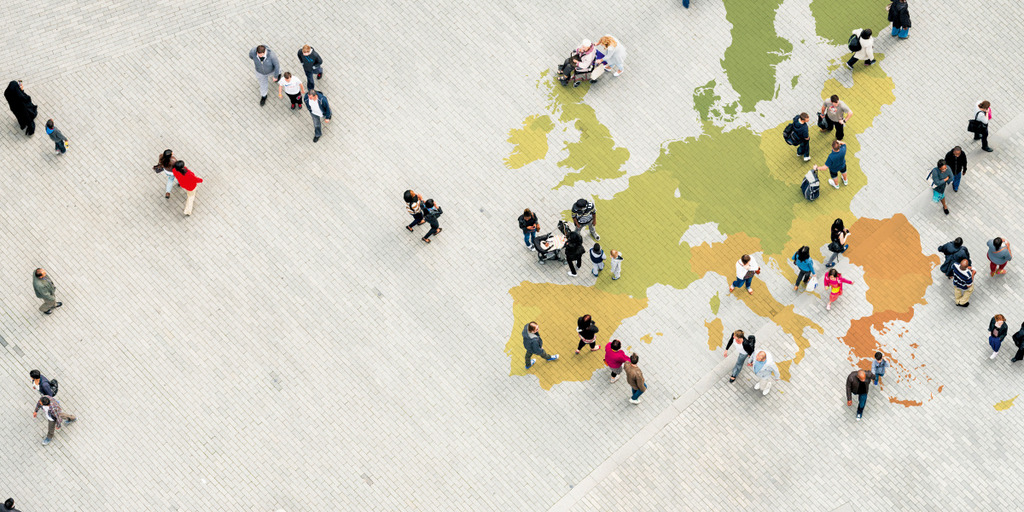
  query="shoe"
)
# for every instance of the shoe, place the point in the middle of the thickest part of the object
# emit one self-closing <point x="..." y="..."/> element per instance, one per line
<point x="732" y="379"/>
<point x="316" y="138"/>
<point x="731" y="289"/>
<point x="617" y="73"/>
<point x="319" y="76"/>
<point x="993" y="356"/>
<point x="987" y="149"/>
<point x="613" y="379"/>
<point x="66" y="422"/>
<point x="750" y="291"/>
<point x="895" y="31"/>
<point x="532" y="362"/>
<point x="439" y="230"/>
<point x="293" y="106"/>
<point x="167" y="195"/>
<point x="573" y="274"/>
<point x="834" y="184"/>
<point x="427" y="240"/>
<point x="632" y="401"/>
<point x="795" y="288"/>
<point x="563" y="82"/>
<point x="532" y="248"/>
<point x="945" y="210"/>
<point x="576" y="84"/>
<point x="757" y="385"/>
<point x="992" y="274"/>
<point x="845" y="182"/>
<point x="807" y="159"/>
<point x="596" y="348"/>
<point x="829" y="307"/>
<point x="57" y="151"/>
<point x="597" y="237"/>
<point x="554" y="358"/>
<point x="577" y="351"/>
<point x="1001" y="272"/>
<point x="904" y="33"/>
<point x="966" y="304"/>
<point x="410" y="229"/>
<point x="59" y="304"/>
<point x="1014" y="360"/>
<point x="765" y="392"/>
<point x="46" y="441"/>
<point x="48" y="311"/>
<point x="849" y="66"/>
<point x="593" y="81"/>
<point x="858" y="417"/>
<point x="263" y="101"/>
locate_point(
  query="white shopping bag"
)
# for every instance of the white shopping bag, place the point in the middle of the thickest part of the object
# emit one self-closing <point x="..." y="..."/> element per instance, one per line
<point x="811" y="285"/>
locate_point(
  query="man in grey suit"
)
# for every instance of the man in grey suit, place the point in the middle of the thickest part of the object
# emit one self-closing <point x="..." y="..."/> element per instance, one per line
<point x="45" y="290"/>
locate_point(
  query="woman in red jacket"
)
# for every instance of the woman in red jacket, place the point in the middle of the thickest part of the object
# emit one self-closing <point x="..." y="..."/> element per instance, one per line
<point x="188" y="181"/>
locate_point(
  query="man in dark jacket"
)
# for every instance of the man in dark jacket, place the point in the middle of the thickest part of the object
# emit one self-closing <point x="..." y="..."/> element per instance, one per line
<point x="534" y="345"/>
<point x="954" y="251"/>
<point x="311" y="63"/>
<point x="40" y="383"/>
<point x="857" y="384"/>
<point x="267" y="68"/>
<point x="747" y="345"/>
<point x="956" y="159"/>
<point x="320" y="109"/>
<point x="899" y="16"/>
<point x="9" y="505"/>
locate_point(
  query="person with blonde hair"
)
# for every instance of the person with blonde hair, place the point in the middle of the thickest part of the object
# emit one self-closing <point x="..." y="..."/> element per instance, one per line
<point x="311" y="64"/>
<point x="614" y="56"/>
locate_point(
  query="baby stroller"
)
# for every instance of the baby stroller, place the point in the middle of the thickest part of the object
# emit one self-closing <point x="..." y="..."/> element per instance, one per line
<point x="551" y="246"/>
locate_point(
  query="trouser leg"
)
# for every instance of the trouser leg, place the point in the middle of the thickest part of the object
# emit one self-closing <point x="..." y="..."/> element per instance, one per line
<point x="264" y="83"/>
<point x="189" y="201"/>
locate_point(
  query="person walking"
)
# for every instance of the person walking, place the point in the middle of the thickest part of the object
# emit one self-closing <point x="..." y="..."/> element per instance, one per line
<point x="165" y="165"/>
<point x="635" y="377"/>
<point x="574" y="251"/>
<point x="534" y="345"/>
<point x="291" y="86"/>
<point x="866" y="52"/>
<point x="528" y="223"/>
<point x="311" y="64"/>
<point x="857" y="384"/>
<point x="1018" y="340"/>
<point x="46" y="290"/>
<point x="59" y="140"/>
<point x="267" y="68"/>
<point x="614" y="358"/>
<point x="188" y="181"/>
<point x="746" y="349"/>
<point x="804" y="263"/>
<point x="21" y="106"/>
<point x="413" y="205"/>
<point x="585" y="214"/>
<point x="802" y="133"/>
<point x="614" y="55"/>
<point x="983" y="115"/>
<point x="899" y="16"/>
<point x="746" y="267"/>
<point x="878" y="367"/>
<point x="996" y="334"/>
<point x="957" y="161"/>
<point x="835" y="164"/>
<point x="431" y="212"/>
<point x="838" y="234"/>
<point x="963" y="283"/>
<point x="834" y="284"/>
<point x="999" y="254"/>
<point x="940" y="176"/>
<point x="9" y="505"/>
<point x="836" y="115"/>
<point x="597" y="259"/>
<point x="616" y="263"/>
<point x="954" y="252"/>
<point x="42" y="384"/>
<point x="319" y="109"/>
<point x="587" y="330"/>
<point x="54" y="414"/>
<point x="765" y="371"/>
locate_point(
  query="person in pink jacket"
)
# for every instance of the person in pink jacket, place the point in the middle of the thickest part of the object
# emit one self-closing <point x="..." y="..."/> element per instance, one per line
<point x="834" y="284"/>
<point x="614" y="356"/>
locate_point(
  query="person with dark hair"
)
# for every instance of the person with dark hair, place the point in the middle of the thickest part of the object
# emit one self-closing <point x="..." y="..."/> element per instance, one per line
<point x="59" y="140"/>
<point x="746" y="267"/>
<point x="431" y="212"/>
<point x="838" y="245"/>
<point x="40" y="383"/>
<point x="635" y="378"/>
<point x="413" y="205"/>
<point x="835" y="164"/>
<point x="534" y="345"/>
<point x="954" y="252"/>
<point x="857" y="384"/>
<point x="999" y="254"/>
<point x="46" y="290"/>
<point x="584" y="214"/>
<point x="9" y="505"/>
<point x="54" y="414"/>
<point x="574" y="251"/>
<point x="267" y="68"/>
<point x="983" y="115"/>
<point x="746" y="345"/>
<point x="21" y="106"/>
<point x="528" y="223"/>
<point x="587" y="330"/>
<point x="1018" y="340"/>
<point x="963" y="283"/>
<point x="940" y="176"/>
<point x="597" y="259"/>
<point x="614" y="357"/>
<point x="311" y="63"/>
<point x="836" y="115"/>
<point x="165" y="165"/>
<point x="878" y="366"/>
<point x="956" y="159"/>
<point x="996" y="334"/>
<point x="804" y="263"/>
<point x="319" y="109"/>
<point x="803" y="134"/>
<point x="834" y="284"/>
<point x="292" y="86"/>
<point x="866" y="51"/>
<point x="899" y="16"/>
<point x="188" y="181"/>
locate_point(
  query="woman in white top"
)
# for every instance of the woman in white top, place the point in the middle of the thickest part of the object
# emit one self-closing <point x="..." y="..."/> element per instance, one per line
<point x="984" y="115"/>
<point x="614" y="55"/>
<point x="866" y="52"/>
<point x="292" y="86"/>
<point x="746" y="267"/>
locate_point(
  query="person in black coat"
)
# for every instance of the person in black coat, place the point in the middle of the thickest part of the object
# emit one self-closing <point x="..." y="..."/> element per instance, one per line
<point x="996" y="334"/>
<point x="588" y="333"/>
<point x="956" y="159"/>
<point x="899" y="15"/>
<point x="954" y="251"/>
<point x="21" y="106"/>
<point x="574" y="251"/>
<point x="1018" y="340"/>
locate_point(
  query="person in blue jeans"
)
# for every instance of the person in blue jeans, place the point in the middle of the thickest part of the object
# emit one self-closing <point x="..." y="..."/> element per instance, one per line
<point x="686" y="4"/>
<point x="802" y="260"/>
<point x="528" y="223"/>
<point x="747" y="345"/>
<point x="857" y="384"/>
<point x="878" y="366"/>
<point x="957" y="162"/>
<point x="802" y="133"/>
<point x="746" y="267"/>
<point x="635" y="377"/>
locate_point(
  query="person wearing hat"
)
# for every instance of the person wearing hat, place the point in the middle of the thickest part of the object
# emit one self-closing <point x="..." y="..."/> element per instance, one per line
<point x="584" y="214"/>
<point x="188" y="181"/>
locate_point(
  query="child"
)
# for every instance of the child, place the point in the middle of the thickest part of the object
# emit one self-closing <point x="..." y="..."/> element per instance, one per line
<point x="588" y="331"/>
<point x="58" y="138"/>
<point x="614" y="357"/>
<point x="292" y="86"/>
<point x="878" y="366"/>
<point x="597" y="258"/>
<point x="616" y="263"/>
<point x="834" y="282"/>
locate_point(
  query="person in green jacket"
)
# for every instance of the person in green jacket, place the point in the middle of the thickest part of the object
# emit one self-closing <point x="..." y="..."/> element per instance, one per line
<point x="45" y="290"/>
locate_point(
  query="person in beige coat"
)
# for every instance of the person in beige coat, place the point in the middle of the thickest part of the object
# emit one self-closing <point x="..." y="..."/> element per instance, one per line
<point x="866" y="52"/>
<point x="635" y="377"/>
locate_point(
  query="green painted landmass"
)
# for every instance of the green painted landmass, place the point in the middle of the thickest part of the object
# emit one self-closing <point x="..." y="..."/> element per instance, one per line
<point x="594" y="156"/>
<point x="530" y="141"/>
<point x="756" y="49"/>
<point x="703" y="98"/>
<point x="794" y="81"/>
<point x="715" y="303"/>
<point x="835" y="21"/>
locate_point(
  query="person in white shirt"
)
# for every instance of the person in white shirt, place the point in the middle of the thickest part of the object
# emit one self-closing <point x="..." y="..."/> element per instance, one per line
<point x="320" y="109"/>
<point x="746" y="267"/>
<point x="866" y="52"/>
<point x="292" y="86"/>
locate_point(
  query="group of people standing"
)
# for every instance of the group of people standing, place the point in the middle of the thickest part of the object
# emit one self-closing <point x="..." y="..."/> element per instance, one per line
<point x="25" y="112"/>
<point x="268" y="69"/>
<point x="957" y="265"/>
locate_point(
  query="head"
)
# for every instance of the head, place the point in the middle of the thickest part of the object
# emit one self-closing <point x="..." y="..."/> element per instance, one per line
<point x="614" y="253"/>
<point x="261" y="51"/>
<point x="527" y="214"/>
<point x="804" y="117"/>
<point x="21" y="85"/>
<point x="429" y="203"/>
<point x="745" y="259"/>
<point x="585" y="45"/>
<point x="803" y="253"/>
<point x="45" y="400"/>
<point x="607" y="42"/>
<point x="597" y="248"/>
<point x="878" y="356"/>
<point x="40" y="273"/>
<point x="533" y="327"/>
<point x="958" y="242"/>
<point x="957" y="151"/>
<point x="865" y="34"/>
<point x="837" y="225"/>
<point x="49" y="123"/>
<point x="409" y="196"/>
<point x="1000" y="319"/>
<point x="761" y="356"/>
<point x="165" y="157"/>
<point x="312" y="95"/>
<point x="179" y="166"/>
<point x="306" y="50"/>
<point x="585" y="318"/>
<point x="997" y="242"/>
<point x="9" y="504"/>
<point x="581" y="204"/>
<point x="616" y="345"/>
<point x="836" y="145"/>
<point x="287" y="75"/>
<point x="941" y="164"/>
<point x="751" y="338"/>
<point x="738" y="334"/>
<point x="833" y="273"/>
<point x="963" y="264"/>
<point x="34" y="374"/>
<point x="984" y="105"/>
<point x="861" y="375"/>
<point x="633" y="358"/>
<point x="834" y="99"/>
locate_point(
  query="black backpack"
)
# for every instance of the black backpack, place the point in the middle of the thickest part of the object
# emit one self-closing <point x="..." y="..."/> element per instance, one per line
<point x="789" y="135"/>
<point x="53" y="386"/>
<point x="854" y="43"/>
<point x="522" y="223"/>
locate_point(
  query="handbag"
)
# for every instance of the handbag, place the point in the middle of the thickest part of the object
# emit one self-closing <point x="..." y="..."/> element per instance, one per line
<point x="976" y="126"/>
<point x="821" y="121"/>
<point x="811" y="285"/>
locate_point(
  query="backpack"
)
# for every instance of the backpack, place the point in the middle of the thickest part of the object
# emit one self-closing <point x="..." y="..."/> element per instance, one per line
<point x="522" y="223"/>
<point x="854" y="43"/>
<point x="811" y="187"/>
<point x="433" y="213"/>
<point x="53" y="386"/>
<point x="789" y="135"/>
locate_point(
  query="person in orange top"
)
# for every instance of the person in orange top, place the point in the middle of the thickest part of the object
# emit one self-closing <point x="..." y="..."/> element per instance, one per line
<point x="834" y="283"/>
<point x="188" y="181"/>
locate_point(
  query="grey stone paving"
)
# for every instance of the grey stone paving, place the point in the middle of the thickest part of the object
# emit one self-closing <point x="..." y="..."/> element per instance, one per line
<point x="291" y="347"/>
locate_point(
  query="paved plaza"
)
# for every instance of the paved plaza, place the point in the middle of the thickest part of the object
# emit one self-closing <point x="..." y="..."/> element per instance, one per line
<point x="290" y="347"/>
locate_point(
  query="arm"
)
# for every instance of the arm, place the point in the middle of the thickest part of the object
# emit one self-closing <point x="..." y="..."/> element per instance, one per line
<point x="594" y="221"/>
<point x="727" y="345"/>
<point x="279" y="88"/>
<point x="849" y="114"/>
<point x="327" y="109"/>
<point x="302" y="89"/>
<point x="276" y="71"/>
<point x="845" y="280"/>
<point x="849" y="391"/>
<point x="316" y="59"/>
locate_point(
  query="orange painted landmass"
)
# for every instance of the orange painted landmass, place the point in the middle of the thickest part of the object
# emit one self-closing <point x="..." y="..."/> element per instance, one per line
<point x="556" y="307"/>
<point x="715" y="330"/>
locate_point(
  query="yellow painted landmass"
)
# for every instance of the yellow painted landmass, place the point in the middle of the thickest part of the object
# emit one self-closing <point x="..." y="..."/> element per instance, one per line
<point x="555" y="308"/>
<point x="530" y="141"/>
<point x="1005" y="404"/>
<point x="715" y="330"/>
